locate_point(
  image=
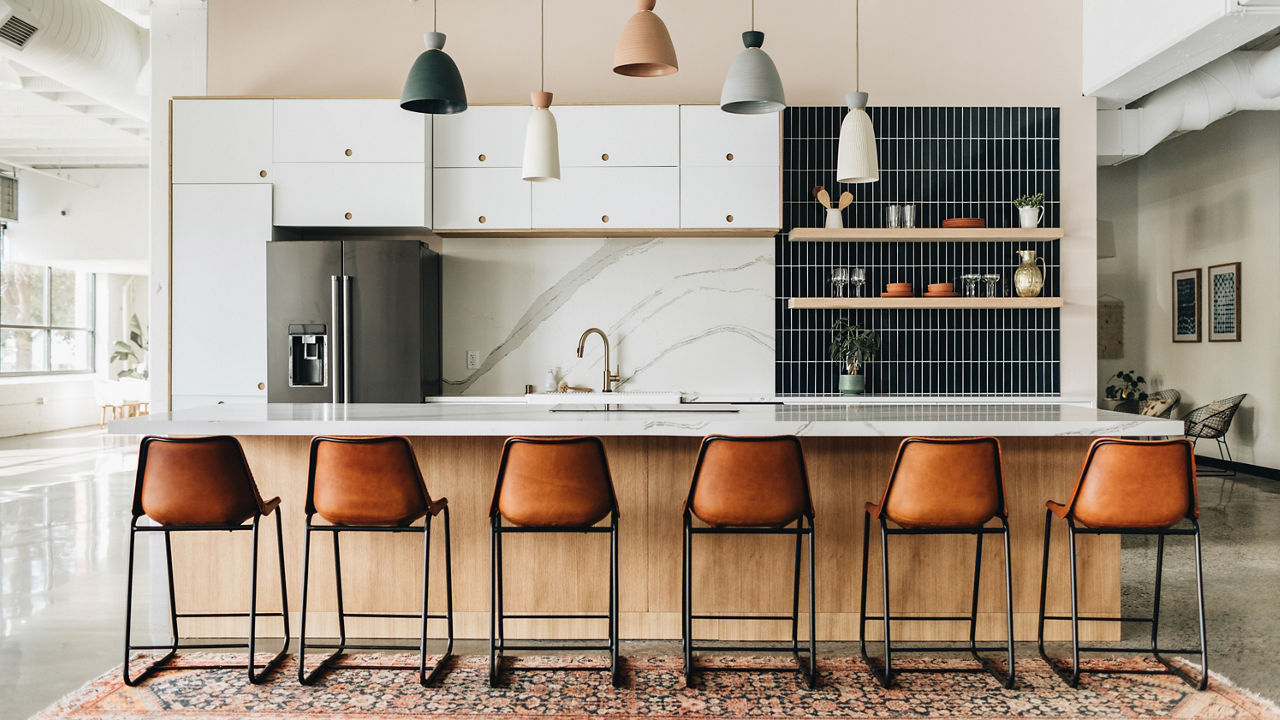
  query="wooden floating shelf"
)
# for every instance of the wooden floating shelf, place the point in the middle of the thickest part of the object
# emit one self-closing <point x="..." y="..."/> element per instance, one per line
<point x="923" y="234"/>
<point x="923" y="303"/>
<point x="610" y="233"/>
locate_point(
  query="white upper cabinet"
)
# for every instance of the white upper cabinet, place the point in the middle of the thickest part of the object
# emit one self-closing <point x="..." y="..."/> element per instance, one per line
<point x="729" y="197"/>
<point x="352" y="194"/>
<point x="609" y="198"/>
<point x="711" y="137"/>
<point x="221" y="141"/>
<point x="490" y="136"/>
<point x="618" y="135"/>
<point x="358" y="131"/>
<point x="488" y="198"/>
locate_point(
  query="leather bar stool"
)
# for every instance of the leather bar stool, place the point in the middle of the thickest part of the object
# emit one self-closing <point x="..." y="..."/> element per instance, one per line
<point x="549" y="485"/>
<point x="940" y="486"/>
<point x="199" y="485"/>
<point x="1129" y="487"/>
<point x="749" y="486"/>
<point x="372" y="485"/>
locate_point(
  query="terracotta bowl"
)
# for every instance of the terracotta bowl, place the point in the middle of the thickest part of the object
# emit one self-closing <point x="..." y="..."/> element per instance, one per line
<point x="941" y="287"/>
<point x="898" y="287"/>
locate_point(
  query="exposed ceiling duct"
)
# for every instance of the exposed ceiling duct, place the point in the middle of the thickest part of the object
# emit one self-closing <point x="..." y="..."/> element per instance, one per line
<point x="1243" y="80"/>
<point x="83" y="44"/>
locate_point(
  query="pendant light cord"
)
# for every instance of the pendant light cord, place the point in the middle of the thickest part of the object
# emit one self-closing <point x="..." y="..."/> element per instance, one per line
<point x="435" y="15"/>
<point x="753" y="15"/>
<point x="857" y="45"/>
<point x="542" y="45"/>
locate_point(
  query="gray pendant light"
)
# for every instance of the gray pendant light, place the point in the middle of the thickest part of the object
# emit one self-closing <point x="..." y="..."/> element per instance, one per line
<point x="752" y="86"/>
<point x="856" y="157"/>
<point x="434" y="85"/>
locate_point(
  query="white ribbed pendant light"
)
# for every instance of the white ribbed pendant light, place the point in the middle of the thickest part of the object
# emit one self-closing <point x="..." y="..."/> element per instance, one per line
<point x="541" y="138"/>
<point x="752" y="86"/>
<point x="856" y="158"/>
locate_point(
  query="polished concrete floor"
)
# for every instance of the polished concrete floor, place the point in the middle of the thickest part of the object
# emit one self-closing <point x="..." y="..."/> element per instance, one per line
<point x="64" y="518"/>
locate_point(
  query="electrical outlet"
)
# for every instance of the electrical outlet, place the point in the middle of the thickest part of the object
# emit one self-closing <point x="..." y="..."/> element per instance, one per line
<point x="40" y="400"/>
<point x="473" y="359"/>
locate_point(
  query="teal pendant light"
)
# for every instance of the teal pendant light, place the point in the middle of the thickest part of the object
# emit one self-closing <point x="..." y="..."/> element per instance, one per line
<point x="752" y="86"/>
<point x="434" y="85"/>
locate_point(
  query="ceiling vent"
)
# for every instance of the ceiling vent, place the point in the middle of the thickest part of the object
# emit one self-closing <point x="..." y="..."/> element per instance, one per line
<point x="8" y="198"/>
<point x="17" y="31"/>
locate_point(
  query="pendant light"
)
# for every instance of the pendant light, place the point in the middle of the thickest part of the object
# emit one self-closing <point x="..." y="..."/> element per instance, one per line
<point x="541" y="139"/>
<point x="856" y="159"/>
<point x="644" y="48"/>
<point x="752" y="86"/>
<point x="434" y="85"/>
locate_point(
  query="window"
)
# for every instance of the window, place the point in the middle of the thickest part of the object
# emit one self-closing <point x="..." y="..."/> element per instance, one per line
<point x="46" y="320"/>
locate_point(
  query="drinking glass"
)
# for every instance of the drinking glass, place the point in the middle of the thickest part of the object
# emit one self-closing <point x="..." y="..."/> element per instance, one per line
<point x="970" y="282"/>
<point x="859" y="278"/>
<point x="992" y="280"/>
<point x="840" y="278"/>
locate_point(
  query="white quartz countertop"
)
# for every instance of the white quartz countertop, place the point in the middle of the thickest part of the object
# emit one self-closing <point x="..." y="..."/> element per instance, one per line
<point x="814" y="420"/>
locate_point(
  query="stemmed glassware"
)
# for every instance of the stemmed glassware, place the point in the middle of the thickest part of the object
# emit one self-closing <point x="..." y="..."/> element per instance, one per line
<point x="859" y="277"/>
<point x="840" y="278"/>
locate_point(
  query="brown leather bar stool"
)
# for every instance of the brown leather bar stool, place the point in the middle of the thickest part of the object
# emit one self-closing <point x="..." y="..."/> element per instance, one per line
<point x="1129" y="487"/>
<point x="749" y="486"/>
<point x="549" y="485"/>
<point x="199" y="485"/>
<point x="372" y="485"/>
<point x="940" y="486"/>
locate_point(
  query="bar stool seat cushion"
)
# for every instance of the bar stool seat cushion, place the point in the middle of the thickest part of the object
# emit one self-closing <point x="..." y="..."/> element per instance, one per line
<point x="198" y="483"/>
<point x="943" y="484"/>
<point x="1133" y="485"/>
<point x="369" y="483"/>
<point x="751" y="482"/>
<point x="555" y="484"/>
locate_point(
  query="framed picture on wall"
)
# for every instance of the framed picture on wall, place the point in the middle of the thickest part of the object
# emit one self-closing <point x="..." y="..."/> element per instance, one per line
<point x="1224" y="302"/>
<point x="1186" y="305"/>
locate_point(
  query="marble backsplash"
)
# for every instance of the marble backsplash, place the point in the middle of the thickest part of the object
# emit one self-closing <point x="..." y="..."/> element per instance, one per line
<point x="690" y="314"/>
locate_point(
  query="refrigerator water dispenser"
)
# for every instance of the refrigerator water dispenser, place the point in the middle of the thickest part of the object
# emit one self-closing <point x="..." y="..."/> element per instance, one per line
<point x="308" y="354"/>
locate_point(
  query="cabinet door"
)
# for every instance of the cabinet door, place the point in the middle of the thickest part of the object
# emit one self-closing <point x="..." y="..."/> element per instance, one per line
<point x="729" y="197"/>
<point x="611" y="135"/>
<point x="480" y="137"/>
<point x="711" y="137"/>
<point x="221" y="141"/>
<point x="219" y="291"/>
<point x="351" y="194"/>
<point x="360" y="131"/>
<point x="491" y="198"/>
<point x="609" y="198"/>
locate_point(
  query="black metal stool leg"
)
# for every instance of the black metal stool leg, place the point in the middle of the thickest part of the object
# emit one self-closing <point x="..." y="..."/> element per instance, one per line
<point x="1074" y="679"/>
<point x="615" y="668"/>
<point x="1044" y="584"/>
<point x="1008" y="604"/>
<point x="886" y="679"/>
<point x="862" y="602"/>
<point x="445" y="658"/>
<point x="813" y="615"/>
<point x="1204" y="646"/>
<point x="687" y="619"/>
<point x="495" y="602"/>
<point x="426" y="585"/>
<point x="128" y="618"/>
<point x="973" y="608"/>
<point x="303" y="677"/>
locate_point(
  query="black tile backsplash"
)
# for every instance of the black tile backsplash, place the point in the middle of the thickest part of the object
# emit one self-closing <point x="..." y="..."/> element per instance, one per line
<point x="948" y="162"/>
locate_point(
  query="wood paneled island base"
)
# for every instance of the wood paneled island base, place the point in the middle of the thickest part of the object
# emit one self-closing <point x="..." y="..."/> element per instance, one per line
<point x="735" y="574"/>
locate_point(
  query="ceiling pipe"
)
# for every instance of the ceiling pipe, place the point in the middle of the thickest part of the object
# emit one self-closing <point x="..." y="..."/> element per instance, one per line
<point x="1242" y="80"/>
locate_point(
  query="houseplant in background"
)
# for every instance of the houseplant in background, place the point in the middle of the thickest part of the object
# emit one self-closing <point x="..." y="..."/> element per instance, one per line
<point x="132" y="353"/>
<point x="1030" y="210"/>
<point x="852" y="347"/>
<point x="1128" y="389"/>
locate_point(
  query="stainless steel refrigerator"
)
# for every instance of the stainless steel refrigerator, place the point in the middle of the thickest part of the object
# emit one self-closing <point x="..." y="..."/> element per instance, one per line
<point x="352" y="321"/>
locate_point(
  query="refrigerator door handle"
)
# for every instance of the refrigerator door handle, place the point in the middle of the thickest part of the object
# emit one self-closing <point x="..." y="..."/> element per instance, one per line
<point x="338" y="373"/>
<point x="346" y="338"/>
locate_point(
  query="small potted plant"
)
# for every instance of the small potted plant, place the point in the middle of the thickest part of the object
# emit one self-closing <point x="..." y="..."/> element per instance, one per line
<point x="1030" y="210"/>
<point x="1128" y="389"/>
<point x="852" y="347"/>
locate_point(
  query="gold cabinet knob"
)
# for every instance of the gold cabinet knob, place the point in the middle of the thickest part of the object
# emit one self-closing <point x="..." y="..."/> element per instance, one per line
<point x="729" y="157"/>
<point x="480" y="157"/>
<point x="262" y="386"/>
<point x="605" y="157"/>
<point x="348" y="152"/>
<point x="348" y="216"/>
<point x="482" y="219"/>
<point x="728" y="218"/>
<point x="262" y="173"/>
<point x="604" y="218"/>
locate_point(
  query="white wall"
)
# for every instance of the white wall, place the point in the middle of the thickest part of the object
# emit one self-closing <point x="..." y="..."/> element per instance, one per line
<point x="1202" y="199"/>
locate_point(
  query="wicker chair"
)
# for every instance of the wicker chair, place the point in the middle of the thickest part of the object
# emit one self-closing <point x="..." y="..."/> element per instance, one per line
<point x="1161" y="404"/>
<point x="1211" y="422"/>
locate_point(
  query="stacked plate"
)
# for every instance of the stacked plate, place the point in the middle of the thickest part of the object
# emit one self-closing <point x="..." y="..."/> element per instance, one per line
<point x="898" y="290"/>
<point x="964" y="223"/>
<point x="941" y="290"/>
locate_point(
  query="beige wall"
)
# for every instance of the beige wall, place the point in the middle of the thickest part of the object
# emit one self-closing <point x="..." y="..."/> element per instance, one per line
<point x="918" y="52"/>
<point x="1202" y="199"/>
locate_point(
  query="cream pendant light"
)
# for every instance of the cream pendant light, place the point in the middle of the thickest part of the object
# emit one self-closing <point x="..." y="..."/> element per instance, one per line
<point x="644" y="47"/>
<point x="856" y="159"/>
<point x="541" y="138"/>
<point x="752" y="86"/>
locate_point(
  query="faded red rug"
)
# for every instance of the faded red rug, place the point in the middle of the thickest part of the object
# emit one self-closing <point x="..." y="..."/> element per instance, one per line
<point x="655" y="690"/>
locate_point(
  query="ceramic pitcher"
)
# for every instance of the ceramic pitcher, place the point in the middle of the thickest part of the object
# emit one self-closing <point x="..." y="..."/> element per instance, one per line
<point x="1028" y="279"/>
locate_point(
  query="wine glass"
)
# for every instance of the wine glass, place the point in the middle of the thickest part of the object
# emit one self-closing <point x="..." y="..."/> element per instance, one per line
<point x="859" y="277"/>
<point x="840" y="278"/>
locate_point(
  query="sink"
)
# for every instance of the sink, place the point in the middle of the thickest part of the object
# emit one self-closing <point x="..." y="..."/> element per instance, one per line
<point x="642" y="397"/>
<point x="644" y="409"/>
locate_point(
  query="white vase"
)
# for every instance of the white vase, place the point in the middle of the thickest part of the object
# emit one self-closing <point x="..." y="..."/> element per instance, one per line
<point x="834" y="219"/>
<point x="1030" y="217"/>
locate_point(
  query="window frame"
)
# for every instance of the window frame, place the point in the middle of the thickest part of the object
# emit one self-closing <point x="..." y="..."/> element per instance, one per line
<point x="49" y="329"/>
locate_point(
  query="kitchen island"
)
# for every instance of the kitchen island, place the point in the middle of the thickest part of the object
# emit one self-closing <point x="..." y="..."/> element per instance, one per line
<point x="849" y="450"/>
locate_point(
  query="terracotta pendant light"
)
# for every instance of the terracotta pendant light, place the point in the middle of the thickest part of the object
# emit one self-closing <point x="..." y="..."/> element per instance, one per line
<point x="752" y="86"/>
<point x="856" y="158"/>
<point x="644" y="48"/>
<point x="434" y="85"/>
<point x="541" y="138"/>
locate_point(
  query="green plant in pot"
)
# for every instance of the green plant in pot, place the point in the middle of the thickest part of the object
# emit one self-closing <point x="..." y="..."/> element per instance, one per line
<point x="132" y="353"/>
<point x="1128" y="388"/>
<point x="853" y="347"/>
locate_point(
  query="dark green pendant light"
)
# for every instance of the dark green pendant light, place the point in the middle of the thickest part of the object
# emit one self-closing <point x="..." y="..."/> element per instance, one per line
<point x="434" y="85"/>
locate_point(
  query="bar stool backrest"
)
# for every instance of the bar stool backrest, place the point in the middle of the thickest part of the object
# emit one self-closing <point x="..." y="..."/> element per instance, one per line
<point x="553" y="482"/>
<point x="945" y="482"/>
<point x="366" y="481"/>
<point x="1135" y="484"/>
<point x="750" y="482"/>
<point x="194" y="481"/>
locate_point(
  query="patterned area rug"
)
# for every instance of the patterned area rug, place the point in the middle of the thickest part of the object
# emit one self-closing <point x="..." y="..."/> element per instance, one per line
<point x="655" y="690"/>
